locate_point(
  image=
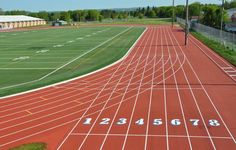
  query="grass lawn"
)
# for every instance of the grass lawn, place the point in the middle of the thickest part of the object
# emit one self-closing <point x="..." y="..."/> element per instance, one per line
<point x="31" y="146"/>
<point x="144" y="21"/>
<point x="32" y="59"/>
<point x="229" y="55"/>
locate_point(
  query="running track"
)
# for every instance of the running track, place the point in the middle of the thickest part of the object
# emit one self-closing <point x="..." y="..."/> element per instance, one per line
<point x="163" y="95"/>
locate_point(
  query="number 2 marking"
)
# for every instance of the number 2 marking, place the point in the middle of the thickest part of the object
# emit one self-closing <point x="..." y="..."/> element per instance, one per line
<point x="105" y="121"/>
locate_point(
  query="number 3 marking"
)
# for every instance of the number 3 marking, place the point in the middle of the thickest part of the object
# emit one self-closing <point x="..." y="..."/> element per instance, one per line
<point x="122" y="121"/>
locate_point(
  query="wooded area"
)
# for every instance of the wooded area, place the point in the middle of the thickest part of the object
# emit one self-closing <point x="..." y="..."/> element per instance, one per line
<point x="209" y="14"/>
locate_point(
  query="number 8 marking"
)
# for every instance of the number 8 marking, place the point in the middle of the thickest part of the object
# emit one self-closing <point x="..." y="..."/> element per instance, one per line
<point x="214" y="123"/>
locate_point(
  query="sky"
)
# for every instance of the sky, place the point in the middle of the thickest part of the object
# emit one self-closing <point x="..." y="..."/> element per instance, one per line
<point x="61" y="5"/>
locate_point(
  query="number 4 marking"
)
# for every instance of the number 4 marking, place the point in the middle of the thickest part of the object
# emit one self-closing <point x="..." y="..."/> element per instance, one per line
<point x="140" y="122"/>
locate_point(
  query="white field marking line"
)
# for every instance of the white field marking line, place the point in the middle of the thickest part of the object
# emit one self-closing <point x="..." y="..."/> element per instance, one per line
<point x="210" y="99"/>
<point x="153" y="135"/>
<point x="194" y="98"/>
<point x="136" y="99"/>
<point x="122" y="99"/>
<point x="233" y="75"/>
<point x="27" y="68"/>
<point x="177" y="88"/>
<point x="104" y="106"/>
<point x="164" y="93"/>
<point x="68" y="62"/>
<point x="151" y="93"/>
<point x="212" y="58"/>
<point x="116" y="62"/>
<point x="67" y="136"/>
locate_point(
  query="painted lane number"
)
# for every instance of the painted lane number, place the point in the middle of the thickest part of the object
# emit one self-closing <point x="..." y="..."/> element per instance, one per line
<point x="155" y="122"/>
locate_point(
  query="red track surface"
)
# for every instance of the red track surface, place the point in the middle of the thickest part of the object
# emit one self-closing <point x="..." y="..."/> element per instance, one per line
<point x="161" y="83"/>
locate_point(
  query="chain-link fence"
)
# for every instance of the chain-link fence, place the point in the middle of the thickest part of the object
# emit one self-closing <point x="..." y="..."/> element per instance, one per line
<point x="226" y="38"/>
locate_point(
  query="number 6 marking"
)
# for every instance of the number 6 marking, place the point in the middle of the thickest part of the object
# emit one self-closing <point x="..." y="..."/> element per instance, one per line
<point x="175" y="122"/>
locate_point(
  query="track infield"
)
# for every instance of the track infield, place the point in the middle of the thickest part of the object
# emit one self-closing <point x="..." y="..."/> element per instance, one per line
<point x="30" y="59"/>
<point x="163" y="95"/>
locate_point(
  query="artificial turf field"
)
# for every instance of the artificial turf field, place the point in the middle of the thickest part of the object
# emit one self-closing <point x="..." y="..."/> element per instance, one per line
<point x="30" y="59"/>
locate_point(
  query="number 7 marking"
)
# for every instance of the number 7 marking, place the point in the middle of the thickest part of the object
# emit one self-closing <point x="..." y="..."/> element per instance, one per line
<point x="194" y="122"/>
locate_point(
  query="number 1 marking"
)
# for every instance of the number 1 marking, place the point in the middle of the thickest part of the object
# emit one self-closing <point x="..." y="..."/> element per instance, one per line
<point x="87" y="121"/>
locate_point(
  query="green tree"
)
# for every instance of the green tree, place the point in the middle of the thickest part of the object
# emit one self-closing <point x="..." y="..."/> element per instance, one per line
<point x="93" y="15"/>
<point x="65" y="16"/>
<point x="195" y="9"/>
<point x="1" y="11"/>
<point x="43" y="15"/>
<point x="232" y="4"/>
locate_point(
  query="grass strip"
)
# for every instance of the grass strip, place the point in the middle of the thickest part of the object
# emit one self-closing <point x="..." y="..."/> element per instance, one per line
<point x="31" y="146"/>
<point x="229" y="55"/>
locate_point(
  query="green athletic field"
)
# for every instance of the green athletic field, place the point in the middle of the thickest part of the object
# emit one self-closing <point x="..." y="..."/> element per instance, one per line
<point x="31" y="59"/>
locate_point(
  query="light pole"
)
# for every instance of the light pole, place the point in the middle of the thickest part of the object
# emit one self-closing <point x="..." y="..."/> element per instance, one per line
<point x="173" y="13"/>
<point x="222" y="17"/>
<point x="186" y="24"/>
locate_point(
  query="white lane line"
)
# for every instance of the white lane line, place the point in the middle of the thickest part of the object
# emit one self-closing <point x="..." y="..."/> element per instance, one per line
<point x="194" y="97"/>
<point x="71" y="61"/>
<point x="136" y="99"/>
<point x="61" y="144"/>
<point x="210" y="99"/>
<point x="151" y="93"/>
<point x="164" y="94"/>
<point x="94" y="123"/>
<point x="154" y="135"/>
<point x="227" y="67"/>
<point x="177" y="88"/>
<point x="214" y="54"/>
<point x="122" y="99"/>
<point x="230" y="71"/>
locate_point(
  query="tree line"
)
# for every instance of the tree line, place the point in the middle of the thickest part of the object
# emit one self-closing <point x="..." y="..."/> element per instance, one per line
<point x="209" y="14"/>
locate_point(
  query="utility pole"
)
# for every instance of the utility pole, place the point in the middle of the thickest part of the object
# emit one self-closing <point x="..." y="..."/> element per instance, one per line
<point x="186" y="24"/>
<point x="173" y="13"/>
<point x="222" y="17"/>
